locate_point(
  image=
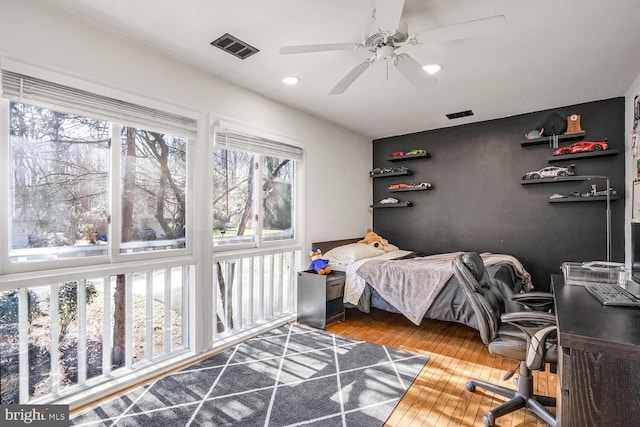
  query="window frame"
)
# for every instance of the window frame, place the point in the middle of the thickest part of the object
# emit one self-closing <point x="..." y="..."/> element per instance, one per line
<point x="114" y="193"/>
<point x="218" y="124"/>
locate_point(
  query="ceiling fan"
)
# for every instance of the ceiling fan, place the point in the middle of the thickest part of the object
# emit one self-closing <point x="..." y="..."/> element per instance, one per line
<point x="388" y="32"/>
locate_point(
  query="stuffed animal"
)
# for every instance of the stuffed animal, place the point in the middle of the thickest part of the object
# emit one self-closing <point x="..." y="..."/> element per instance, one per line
<point x="373" y="239"/>
<point x="321" y="266"/>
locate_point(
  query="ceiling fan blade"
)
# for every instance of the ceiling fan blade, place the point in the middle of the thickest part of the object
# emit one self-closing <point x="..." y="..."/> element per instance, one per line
<point x="476" y="28"/>
<point x="388" y="13"/>
<point x="287" y="50"/>
<point x="413" y="71"/>
<point x="351" y="77"/>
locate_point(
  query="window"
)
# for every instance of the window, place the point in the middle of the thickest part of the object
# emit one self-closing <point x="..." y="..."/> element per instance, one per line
<point x="59" y="184"/>
<point x="154" y="174"/>
<point x="277" y="189"/>
<point x="254" y="189"/>
<point x="62" y="144"/>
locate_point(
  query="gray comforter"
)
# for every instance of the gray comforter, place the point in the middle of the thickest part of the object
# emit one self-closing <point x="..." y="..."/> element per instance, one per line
<point x="407" y="284"/>
<point x="425" y="286"/>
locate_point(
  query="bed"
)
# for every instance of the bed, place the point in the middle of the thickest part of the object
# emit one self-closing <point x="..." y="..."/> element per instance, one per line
<point x="415" y="284"/>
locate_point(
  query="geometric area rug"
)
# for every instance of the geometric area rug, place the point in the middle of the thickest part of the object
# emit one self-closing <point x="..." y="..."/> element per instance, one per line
<point x="289" y="376"/>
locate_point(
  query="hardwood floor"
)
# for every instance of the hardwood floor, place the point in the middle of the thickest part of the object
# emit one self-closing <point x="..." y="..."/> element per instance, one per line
<point x="438" y="396"/>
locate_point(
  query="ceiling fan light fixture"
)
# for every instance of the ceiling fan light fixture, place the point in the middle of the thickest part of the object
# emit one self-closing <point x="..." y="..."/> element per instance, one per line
<point x="290" y="80"/>
<point x="432" y="68"/>
<point x="388" y="32"/>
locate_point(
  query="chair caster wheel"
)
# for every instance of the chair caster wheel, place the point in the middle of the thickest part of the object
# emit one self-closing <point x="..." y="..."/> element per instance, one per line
<point x="489" y="420"/>
<point x="470" y="387"/>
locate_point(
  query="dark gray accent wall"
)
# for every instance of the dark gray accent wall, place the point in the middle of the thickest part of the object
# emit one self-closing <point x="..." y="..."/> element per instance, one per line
<point x="479" y="204"/>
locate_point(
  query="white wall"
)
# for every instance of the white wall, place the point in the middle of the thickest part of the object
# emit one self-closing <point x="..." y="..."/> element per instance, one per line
<point x="337" y="161"/>
<point x="630" y="173"/>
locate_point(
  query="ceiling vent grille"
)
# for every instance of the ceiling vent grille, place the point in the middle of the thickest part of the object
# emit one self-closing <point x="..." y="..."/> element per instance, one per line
<point x="459" y="114"/>
<point x="234" y="46"/>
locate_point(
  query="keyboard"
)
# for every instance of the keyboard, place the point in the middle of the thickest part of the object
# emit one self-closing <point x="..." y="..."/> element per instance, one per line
<point x="610" y="294"/>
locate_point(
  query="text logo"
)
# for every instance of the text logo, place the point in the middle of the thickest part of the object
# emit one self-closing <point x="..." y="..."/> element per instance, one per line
<point x="34" y="415"/>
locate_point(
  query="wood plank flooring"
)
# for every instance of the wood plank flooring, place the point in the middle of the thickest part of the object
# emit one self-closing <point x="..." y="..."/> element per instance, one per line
<point x="438" y="396"/>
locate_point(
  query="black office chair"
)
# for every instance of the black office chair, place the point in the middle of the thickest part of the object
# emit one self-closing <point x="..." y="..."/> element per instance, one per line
<point x="526" y="336"/>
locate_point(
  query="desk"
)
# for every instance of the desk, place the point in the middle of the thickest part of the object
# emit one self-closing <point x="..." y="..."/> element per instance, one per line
<point x="599" y="370"/>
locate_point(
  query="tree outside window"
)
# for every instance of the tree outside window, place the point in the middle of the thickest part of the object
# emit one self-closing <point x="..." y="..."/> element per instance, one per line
<point x="154" y="175"/>
<point x="59" y="187"/>
<point x="60" y="201"/>
<point x="235" y="203"/>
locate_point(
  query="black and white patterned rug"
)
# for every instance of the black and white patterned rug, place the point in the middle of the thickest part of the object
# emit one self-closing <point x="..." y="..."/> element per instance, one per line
<point x="289" y="376"/>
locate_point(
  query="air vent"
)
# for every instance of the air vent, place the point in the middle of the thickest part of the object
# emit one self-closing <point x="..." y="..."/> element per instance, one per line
<point x="234" y="46"/>
<point x="459" y="114"/>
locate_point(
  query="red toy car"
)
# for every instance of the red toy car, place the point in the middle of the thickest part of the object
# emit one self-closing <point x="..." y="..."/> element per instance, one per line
<point x="397" y="154"/>
<point x="581" y="146"/>
<point x="397" y="186"/>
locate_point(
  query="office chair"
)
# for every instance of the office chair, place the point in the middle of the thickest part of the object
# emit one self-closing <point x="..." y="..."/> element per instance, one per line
<point x="526" y="336"/>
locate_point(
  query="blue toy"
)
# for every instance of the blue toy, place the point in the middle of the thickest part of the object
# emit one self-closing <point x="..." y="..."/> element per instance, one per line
<point x="321" y="266"/>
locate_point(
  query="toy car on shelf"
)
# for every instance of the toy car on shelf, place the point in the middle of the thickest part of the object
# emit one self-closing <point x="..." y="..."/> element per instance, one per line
<point x="551" y="172"/>
<point x="419" y="185"/>
<point x="382" y="171"/>
<point x="558" y="196"/>
<point x="400" y="169"/>
<point x="409" y="185"/>
<point x="582" y="146"/>
<point x="388" y="200"/>
<point x="397" y="154"/>
<point x="379" y="171"/>
<point x="397" y="186"/>
<point x="414" y="152"/>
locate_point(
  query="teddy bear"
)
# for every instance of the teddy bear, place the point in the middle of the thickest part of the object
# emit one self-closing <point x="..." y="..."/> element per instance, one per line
<point x="321" y="266"/>
<point x="373" y="239"/>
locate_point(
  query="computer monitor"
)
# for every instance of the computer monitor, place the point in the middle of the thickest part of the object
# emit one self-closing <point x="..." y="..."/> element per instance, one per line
<point x="635" y="251"/>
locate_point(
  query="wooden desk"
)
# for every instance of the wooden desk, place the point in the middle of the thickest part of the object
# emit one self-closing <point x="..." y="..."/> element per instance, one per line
<point x="600" y="361"/>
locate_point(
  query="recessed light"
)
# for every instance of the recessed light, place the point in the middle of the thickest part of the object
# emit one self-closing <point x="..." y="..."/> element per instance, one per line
<point x="432" y="68"/>
<point x="290" y="80"/>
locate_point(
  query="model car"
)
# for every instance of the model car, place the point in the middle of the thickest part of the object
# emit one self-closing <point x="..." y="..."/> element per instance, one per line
<point x="400" y="169"/>
<point x="419" y="185"/>
<point x="558" y="196"/>
<point x="581" y="146"/>
<point x="388" y="200"/>
<point x="414" y="152"/>
<point x="551" y="172"/>
<point x="397" y="154"/>
<point x="378" y="171"/>
<point x="396" y="186"/>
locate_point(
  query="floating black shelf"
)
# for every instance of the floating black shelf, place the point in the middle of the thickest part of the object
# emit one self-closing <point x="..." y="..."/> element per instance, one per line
<point x="583" y="199"/>
<point x="585" y="155"/>
<point x="399" y="190"/>
<point x="548" y="140"/>
<point x="391" y="205"/>
<point x="386" y="174"/>
<point x="409" y="157"/>
<point x="555" y="179"/>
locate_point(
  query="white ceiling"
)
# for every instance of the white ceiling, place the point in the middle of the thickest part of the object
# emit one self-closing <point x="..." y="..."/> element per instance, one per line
<point x="553" y="53"/>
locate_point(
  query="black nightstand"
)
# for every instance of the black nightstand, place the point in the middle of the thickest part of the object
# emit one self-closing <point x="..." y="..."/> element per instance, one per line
<point x="320" y="298"/>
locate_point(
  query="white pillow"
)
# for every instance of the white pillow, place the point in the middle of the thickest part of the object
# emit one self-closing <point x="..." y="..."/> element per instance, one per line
<point x="348" y="254"/>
